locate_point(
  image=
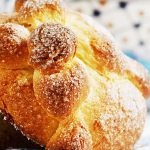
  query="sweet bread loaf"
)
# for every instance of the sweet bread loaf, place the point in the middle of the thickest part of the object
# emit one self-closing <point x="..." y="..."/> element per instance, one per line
<point x="65" y="82"/>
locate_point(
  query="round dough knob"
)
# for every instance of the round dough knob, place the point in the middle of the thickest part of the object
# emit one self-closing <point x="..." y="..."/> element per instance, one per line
<point x="51" y="46"/>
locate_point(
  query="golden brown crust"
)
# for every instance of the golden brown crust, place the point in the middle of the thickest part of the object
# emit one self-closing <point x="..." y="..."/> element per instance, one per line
<point x="34" y="12"/>
<point x="94" y="102"/>
<point x="17" y="96"/>
<point x="19" y="4"/>
<point x="107" y="56"/>
<point x="62" y="93"/>
<point x="13" y="46"/>
<point x="114" y="112"/>
<point x="51" y="46"/>
<point x="32" y="7"/>
<point x="139" y="76"/>
<point x="73" y="135"/>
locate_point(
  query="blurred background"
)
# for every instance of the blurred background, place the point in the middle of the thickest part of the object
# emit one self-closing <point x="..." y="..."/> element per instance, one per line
<point x="127" y="20"/>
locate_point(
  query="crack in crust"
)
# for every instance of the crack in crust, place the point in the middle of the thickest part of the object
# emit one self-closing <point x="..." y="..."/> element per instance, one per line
<point x="76" y="137"/>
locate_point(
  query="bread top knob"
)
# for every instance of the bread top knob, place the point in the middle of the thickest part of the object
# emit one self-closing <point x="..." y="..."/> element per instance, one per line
<point x="51" y="46"/>
<point x="60" y="80"/>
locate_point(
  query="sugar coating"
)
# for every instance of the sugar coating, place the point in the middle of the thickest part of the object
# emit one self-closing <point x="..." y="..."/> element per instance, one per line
<point x="62" y="92"/>
<point x="75" y="136"/>
<point x="38" y="3"/>
<point x="51" y="44"/>
<point x="11" y="36"/>
<point x="13" y="46"/>
<point x="119" y="124"/>
<point x="31" y="6"/>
